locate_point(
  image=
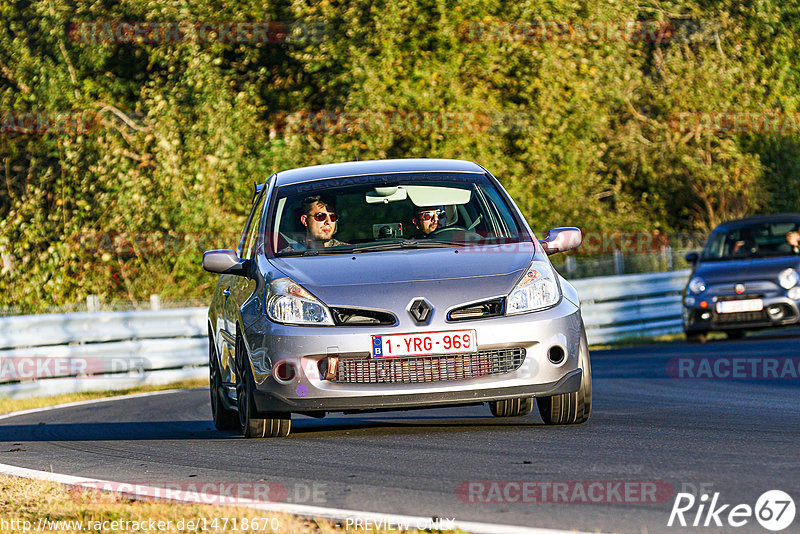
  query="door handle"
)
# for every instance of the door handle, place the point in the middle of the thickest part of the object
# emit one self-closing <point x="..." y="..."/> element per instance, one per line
<point x="227" y="292"/>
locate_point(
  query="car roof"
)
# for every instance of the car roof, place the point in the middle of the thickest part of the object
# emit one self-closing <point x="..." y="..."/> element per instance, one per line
<point x="381" y="166"/>
<point x="745" y="221"/>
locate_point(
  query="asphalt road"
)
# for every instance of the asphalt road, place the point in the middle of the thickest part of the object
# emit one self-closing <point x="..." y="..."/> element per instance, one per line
<point x="738" y="437"/>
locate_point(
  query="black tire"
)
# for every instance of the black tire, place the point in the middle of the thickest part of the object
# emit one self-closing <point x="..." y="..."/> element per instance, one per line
<point x="696" y="337"/>
<point x="253" y="424"/>
<point x="224" y="419"/>
<point x="511" y="407"/>
<point x="735" y="334"/>
<point x="570" y="408"/>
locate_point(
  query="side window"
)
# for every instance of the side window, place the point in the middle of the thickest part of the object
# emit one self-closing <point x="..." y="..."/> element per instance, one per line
<point x="250" y="234"/>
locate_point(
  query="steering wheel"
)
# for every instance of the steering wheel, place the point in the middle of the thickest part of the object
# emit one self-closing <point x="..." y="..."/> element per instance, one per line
<point x="450" y="230"/>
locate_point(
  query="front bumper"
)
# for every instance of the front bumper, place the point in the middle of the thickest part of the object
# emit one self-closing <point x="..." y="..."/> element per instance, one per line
<point x="697" y="319"/>
<point x="303" y="348"/>
<point x="272" y="402"/>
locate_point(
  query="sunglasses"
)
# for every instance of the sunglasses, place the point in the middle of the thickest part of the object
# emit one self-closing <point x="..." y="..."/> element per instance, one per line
<point x="428" y="215"/>
<point x="320" y="216"/>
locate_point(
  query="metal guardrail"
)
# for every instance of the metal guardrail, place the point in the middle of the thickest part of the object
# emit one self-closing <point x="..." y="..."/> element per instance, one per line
<point x="616" y="307"/>
<point x="89" y="351"/>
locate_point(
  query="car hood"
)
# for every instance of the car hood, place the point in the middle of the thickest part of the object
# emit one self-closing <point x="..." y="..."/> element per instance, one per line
<point x="389" y="279"/>
<point x="740" y="270"/>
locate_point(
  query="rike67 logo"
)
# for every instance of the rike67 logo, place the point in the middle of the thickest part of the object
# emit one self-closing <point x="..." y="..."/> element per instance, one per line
<point x="774" y="510"/>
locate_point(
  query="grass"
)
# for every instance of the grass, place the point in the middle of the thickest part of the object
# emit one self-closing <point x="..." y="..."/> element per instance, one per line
<point x="40" y="503"/>
<point x="641" y="340"/>
<point x="13" y="405"/>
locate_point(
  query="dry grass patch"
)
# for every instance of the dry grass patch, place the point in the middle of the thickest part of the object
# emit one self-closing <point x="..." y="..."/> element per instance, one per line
<point x="43" y="504"/>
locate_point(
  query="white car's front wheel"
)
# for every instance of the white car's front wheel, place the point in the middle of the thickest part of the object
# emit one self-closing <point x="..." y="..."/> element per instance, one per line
<point x="252" y="423"/>
<point x="569" y="408"/>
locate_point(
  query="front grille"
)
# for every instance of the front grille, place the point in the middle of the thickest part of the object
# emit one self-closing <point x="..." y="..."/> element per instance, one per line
<point x="742" y="317"/>
<point x="428" y="368"/>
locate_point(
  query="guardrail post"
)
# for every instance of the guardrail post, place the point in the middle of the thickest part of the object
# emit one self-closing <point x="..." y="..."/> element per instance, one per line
<point x="667" y="251"/>
<point x="155" y="302"/>
<point x="569" y="265"/>
<point x="619" y="262"/>
<point x="92" y="303"/>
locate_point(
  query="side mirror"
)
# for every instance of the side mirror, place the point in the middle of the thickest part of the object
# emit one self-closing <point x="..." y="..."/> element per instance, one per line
<point x="692" y="257"/>
<point x="224" y="262"/>
<point x="562" y="239"/>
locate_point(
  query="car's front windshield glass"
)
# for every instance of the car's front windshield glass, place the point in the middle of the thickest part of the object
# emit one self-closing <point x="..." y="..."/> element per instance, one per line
<point x="758" y="240"/>
<point x="390" y="211"/>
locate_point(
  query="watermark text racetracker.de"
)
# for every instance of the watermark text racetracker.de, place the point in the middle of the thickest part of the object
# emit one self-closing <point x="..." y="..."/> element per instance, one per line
<point x="565" y="491"/>
<point x="226" y="32"/>
<point x="42" y="122"/>
<point x="226" y="493"/>
<point x="17" y="368"/>
<point x="585" y="31"/>
<point x="733" y="122"/>
<point x="193" y="524"/>
<point x="734" y="367"/>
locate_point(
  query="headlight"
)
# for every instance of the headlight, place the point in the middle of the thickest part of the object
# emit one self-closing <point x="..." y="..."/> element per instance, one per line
<point x="697" y="285"/>
<point x="289" y="303"/>
<point x="536" y="290"/>
<point x="788" y="278"/>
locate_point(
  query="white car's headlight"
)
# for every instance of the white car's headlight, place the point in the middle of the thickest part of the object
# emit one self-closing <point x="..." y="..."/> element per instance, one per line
<point x="289" y="303"/>
<point x="788" y="278"/>
<point x="697" y="285"/>
<point x="536" y="290"/>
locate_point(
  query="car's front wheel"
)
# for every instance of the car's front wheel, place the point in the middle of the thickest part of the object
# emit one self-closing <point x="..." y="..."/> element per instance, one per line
<point x="570" y="408"/>
<point x="252" y="423"/>
<point x="224" y="419"/>
<point x="511" y="407"/>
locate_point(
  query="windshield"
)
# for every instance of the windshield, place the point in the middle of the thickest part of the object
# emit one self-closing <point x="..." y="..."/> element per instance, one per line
<point x="390" y="211"/>
<point x="752" y="241"/>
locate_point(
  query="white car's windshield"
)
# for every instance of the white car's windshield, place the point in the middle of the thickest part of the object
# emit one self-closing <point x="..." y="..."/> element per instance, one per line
<point x="389" y="211"/>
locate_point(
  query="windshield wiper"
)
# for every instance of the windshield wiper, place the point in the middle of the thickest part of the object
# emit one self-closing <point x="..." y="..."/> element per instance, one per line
<point x="408" y="244"/>
<point x="313" y="252"/>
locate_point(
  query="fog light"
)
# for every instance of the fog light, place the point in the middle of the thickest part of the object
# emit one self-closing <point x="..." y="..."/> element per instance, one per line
<point x="284" y="372"/>
<point x="705" y="316"/>
<point x="794" y="293"/>
<point x="775" y="312"/>
<point x="556" y="355"/>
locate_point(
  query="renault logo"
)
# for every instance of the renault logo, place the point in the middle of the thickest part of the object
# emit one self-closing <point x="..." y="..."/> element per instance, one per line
<point x="420" y="309"/>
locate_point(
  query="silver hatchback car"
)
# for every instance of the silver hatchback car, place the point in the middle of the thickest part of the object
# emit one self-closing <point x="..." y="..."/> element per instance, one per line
<point x="392" y="285"/>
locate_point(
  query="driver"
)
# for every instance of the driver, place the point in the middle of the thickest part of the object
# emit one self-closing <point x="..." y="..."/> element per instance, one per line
<point x="793" y="239"/>
<point x="319" y="218"/>
<point x="426" y="219"/>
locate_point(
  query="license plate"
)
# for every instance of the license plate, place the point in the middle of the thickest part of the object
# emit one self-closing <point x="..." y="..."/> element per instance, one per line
<point x="739" y="306"/>
<point x="421" y="344"/>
